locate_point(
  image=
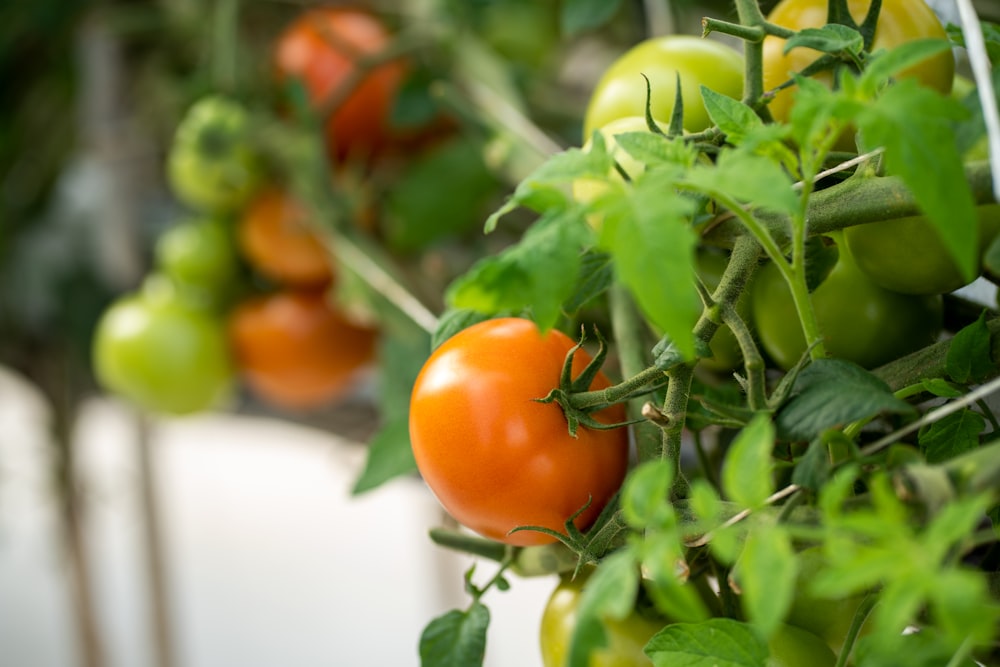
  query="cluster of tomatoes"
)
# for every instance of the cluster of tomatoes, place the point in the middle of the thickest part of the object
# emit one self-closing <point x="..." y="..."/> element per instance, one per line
<point x="881" y="299"/>
<point x="242" y="289"/>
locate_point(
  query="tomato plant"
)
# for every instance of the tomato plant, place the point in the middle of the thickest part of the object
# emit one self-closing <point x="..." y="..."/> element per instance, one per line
<point x="899" y="21"/>
<point x="493" y="455"/>
<point x="296" y="351"/>
<point x="725" y="348"/>
<point x="859" y="320"/>
<point x="906" y="254"/>
<point x="338" y="56"/>
<point x="626" y="637"/>
<point x="621" y="90"/>
<point x="213" y="165"/>
<point x="276" y="239"/>
<point x="162" y="353"/>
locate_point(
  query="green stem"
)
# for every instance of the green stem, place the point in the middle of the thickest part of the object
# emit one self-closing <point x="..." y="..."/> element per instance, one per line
<point x="628" y="329"/>
<point x="753" y="54"/>
<point x="225" y="44"/>
<point x="624" y="390"/>
<point x="852" y="202"/>
<point x="742" y="263"/>
<point x="860" y="616"/>
<point x="675" y="411"/>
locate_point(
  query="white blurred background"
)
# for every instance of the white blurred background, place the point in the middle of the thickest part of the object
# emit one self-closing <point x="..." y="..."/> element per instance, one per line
<point x="267" y="558"/>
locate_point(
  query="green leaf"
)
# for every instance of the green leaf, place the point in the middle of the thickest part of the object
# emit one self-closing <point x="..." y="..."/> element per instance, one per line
<point x="913" y="124"/>
<point x="831" y="393"/>
<point x="456" y="639"/>
<point x="610" y="593"/>
<point x="886" y="64"/>
<point x="820" y="260"/>
<point x="645" y="229"/>
<point x="547" y="189"/>
<point x="813" y="469"/>
<point x="657" y="150"/>
<point x="415" y="212"/>
<point x="746" y="178"/>
<point x="833" y="38"/>
<point x="646" y="495"/>
<point x="579" y="15"/>
<point x="596" y="276"/>
<point x="951" y="435"/>
<point x="536" y="274"/>
<point x="816" y="107"/>
<point x="733" y="117"/>
<point x="666" y="354"/>
<point x="719" y="642"/>
<point x="662" y="551"/>
<point x="389" y="456"/>
<point x="766" y="572"/>
<point x="705" y="503"/>
<point x="941" y="388"/>
<point x="969" y="356"/>
<point x="747" y="470"/>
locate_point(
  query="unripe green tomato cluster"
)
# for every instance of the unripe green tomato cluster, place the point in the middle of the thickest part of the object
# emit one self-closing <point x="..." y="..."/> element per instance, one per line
<point x="858" y="320"/>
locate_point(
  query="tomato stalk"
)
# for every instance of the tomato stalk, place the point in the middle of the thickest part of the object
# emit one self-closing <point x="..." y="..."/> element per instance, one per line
<point x="628" y="328"/>
<point x="855" y="201"/>
<point x="225" y="24"/>
<point x="860" y="616"/>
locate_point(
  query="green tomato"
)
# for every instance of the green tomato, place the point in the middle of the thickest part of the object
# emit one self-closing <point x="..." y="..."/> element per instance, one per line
<point x="829" y="619"/>
<point x="212" y="165"/>
<point x="906" y="254"/>
<point x="626" y="638"/>
<point x="161" y="353"/>
<point x="621" y="90"/>
<point x="200" y="257"/>
<point x="793" y="647"/>
<point x="859" y="321"/>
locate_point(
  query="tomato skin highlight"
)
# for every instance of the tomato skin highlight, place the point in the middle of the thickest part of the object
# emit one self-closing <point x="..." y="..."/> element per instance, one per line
<point x="494" y="456"/>
<point x="321" y="49"/>
<point x="621" y="90"/>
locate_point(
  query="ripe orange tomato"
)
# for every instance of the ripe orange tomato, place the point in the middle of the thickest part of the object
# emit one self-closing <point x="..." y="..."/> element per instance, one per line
<point x="494" y="456"/>
<point x="296" y="351"/>
<point x="276" y="240"/>
<point x="321" y="48"/>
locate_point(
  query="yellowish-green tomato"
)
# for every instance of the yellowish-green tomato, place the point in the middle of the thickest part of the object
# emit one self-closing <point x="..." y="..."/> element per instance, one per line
<point x="626" y="638"/>
<point x="588" y="189"/>
<point x="793" y="647"/>
<point x="621" y="90"/>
